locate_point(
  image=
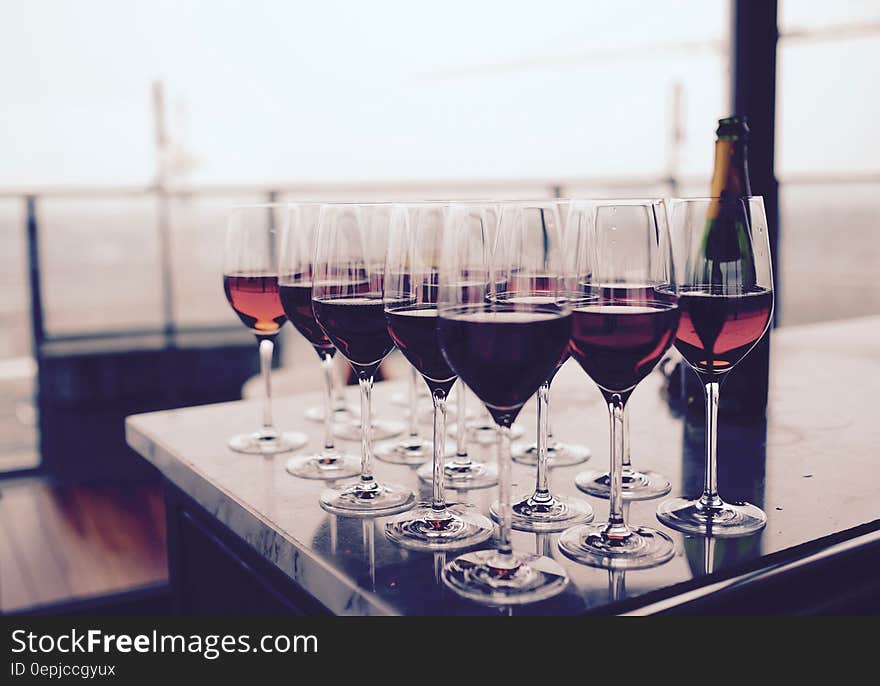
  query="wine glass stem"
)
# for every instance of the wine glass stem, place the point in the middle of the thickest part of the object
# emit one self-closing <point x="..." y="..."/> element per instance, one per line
<point x="542" y="488"/>
<point x="338" y="395"/>
<point x="439" y="564"/>
<point x="327" y="366"/>
<point x="616" y="527"/>
<point x="366" y="385"/>
<point x="413" y="402"/>
<point x="504" y="547"/>
<point x="710" y="489"/>
<point x="709" y="555"/>
<point x="461" y="453"/>
<point x="616" y="584"/>
<point x="627" y="462"/>
<point x="266" y="349"/>
<point x="438" y="500"/>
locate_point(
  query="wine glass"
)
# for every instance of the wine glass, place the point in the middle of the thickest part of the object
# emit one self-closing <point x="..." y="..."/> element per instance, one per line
<point x="462" y="472"/>
<point x="529" y="268"/>
<point x="558" y="454"/>
<point x="347" y="286"/>
<point x="295" y="288"/>
<point x="724" y="284"/>
<point x="415" y="241"/>
<point x="636" y="484"/>
<point x="619" y="334"/>
<point x="250" y="280"/>
<point x="504" y="351"/>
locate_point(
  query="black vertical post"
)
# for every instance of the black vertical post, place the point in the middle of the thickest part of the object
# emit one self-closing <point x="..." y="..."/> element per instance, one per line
<point x="33" y="243"/>
<point x="755" y="35"/>
<point x="167" y="270"/>
<point x="754" y="42"/>
<point x="38" y="331"/>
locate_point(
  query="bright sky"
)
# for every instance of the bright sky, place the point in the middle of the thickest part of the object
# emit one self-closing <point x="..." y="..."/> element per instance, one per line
<point x="265" y="91"/>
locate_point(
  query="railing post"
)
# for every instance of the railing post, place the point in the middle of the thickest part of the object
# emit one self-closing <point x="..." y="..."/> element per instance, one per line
<point x="33" y="244"/>
<point x="167" y="273"/>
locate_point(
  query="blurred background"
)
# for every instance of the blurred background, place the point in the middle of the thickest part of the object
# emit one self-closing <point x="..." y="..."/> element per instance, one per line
<point x="128" y="128"/>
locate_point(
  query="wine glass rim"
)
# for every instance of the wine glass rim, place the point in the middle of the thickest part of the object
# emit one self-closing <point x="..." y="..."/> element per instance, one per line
<point x="466" y="201"/>
<point x="256" y="205"/>
<point x="348" y="203"/>
<point x="712" y="198"/>
<point x="289" y="203"/>
<point x="533" y="201"/>
<point x="616" y="201"/>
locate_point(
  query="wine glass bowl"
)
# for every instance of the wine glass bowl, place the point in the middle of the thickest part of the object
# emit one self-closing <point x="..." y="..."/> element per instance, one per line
<point x="254" y="298"/>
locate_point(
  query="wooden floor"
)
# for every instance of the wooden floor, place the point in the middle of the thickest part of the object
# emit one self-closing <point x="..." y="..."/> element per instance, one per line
<point x="65" y="543"/>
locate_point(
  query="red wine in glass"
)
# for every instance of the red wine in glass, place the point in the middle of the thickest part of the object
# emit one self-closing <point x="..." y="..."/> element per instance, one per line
<point x="625" y="292"/>
<point x="718" y="328"/>
<point x="296" y="298"/>
<point x="414" y="330"/>
<point x="355" y="324"/>
<point x="255" y="299"/>
<point x="531" y="291"/>
<point x="504" y="352"/>
<point x="524" y="282"/>
<point x="619" y="342"/>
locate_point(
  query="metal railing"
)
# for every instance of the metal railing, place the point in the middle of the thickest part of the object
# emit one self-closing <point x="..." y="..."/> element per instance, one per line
<point x="281" y="192"/>
<point x="164" y="228"/>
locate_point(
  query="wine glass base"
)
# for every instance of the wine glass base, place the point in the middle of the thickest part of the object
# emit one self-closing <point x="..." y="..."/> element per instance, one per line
<point x="636" y="484"/>
<point x="382" y="430"/>
<point x="486" y="433"/>
<point x="258" y="443"/>
<point x="412" y="451"/>
<point x="558" y="454"/>
<point x="558" y="514"/>
<point x="465" y="477"/>
<point x="326" y="467"/>
<point x="423" y="528"/>
<point x="490" y="578"/>
<point x="644" y="547"/>
<point x="343" y="413"/>
<point x="729" y="520"/>
<point x="367" y="499"/>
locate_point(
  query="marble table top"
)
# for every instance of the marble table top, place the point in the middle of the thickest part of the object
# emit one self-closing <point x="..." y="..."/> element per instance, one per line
<point x="813" y="467"/>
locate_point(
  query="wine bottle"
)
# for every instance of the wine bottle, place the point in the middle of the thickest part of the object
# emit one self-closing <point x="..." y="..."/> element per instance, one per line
<point x="727" y="250"/>
<point x="726" y="242"/>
